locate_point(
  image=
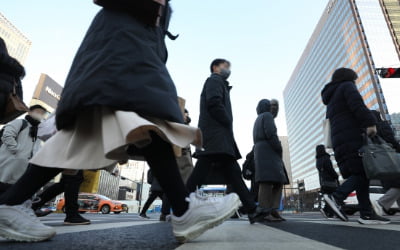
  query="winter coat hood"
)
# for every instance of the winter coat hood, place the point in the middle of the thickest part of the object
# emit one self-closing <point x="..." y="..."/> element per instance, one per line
<point x="321" y="151"/>
<point x="263" y="106"/>
<point x="340" y="75"/>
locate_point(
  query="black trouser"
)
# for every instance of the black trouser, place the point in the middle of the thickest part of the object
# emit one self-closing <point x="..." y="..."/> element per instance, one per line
<point x="232" y="174"/>
<point x="159" y="155"/>
<point x="254" y="188"/>
<point x="69" y="184"/>
<point x="360" y="184"/>
<point x="4" y="187"/>
<point x="152" y="197"/>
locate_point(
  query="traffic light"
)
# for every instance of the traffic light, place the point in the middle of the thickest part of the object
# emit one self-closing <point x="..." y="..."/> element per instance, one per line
<point x="389" y="72"/>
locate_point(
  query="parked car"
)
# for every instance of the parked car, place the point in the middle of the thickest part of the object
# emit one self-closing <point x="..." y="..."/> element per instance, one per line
<point x="375" y="193"/>
<point x="94" y="203"/>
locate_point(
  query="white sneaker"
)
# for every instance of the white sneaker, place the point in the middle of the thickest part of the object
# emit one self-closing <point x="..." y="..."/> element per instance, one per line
<point x="204" y="213"/>
<point x="377" y="207"/>
<point x="20" y="223"/>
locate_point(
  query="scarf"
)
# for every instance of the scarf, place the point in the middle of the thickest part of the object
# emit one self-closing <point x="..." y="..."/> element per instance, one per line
<point x="33" y="130"/>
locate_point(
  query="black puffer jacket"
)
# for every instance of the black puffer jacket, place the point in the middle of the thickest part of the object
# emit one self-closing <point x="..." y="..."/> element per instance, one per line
<point x="121" y="65"/>
<point x="349" y="117"/>
<point x="216" y="119"/>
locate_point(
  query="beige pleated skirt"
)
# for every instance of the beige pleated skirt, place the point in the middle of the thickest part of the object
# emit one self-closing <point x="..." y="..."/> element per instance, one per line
<point x="101" y="136"/>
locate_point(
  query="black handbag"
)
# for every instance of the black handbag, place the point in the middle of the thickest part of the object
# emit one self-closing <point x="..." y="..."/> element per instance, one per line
<point x="380" y="160"/>
<point x="329" y="184"/>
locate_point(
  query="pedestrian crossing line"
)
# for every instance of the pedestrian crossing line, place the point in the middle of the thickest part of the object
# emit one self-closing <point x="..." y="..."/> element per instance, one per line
<point x="393" y="227"/>
<point x="101" y="226"/>
<point x="230" y="236"/>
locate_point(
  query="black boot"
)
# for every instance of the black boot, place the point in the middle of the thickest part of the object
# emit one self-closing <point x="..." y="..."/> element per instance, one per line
<point x="75" y="219"/>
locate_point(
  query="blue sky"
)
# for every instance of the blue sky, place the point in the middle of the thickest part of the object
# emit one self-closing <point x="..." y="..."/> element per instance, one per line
<point x="263" y="39"/>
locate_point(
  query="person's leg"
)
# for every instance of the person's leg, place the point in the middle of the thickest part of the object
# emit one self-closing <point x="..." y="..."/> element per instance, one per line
<point x="344" y="190"/>
<point x="276" y="199"/>
<point x="276" y="196"/>
<point x="390" y="197"/>
<point x="233" y="175"/>
<point x="152" y="197"/>
<point x="48" y="194"/>
<point x="30" y="182"/>
<point x="72" y="185"/>
<point x="4" y="187"/>
<point x="362" y="189"/>
<point x="162" y="162"/>
<point x="264" y="195"/>
<point x="199" y="174"/>
<point x="166" y="206"/>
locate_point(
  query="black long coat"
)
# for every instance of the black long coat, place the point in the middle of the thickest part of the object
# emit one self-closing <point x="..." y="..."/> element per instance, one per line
<point x="120" y="64"/>
<point x="216" y="119"/>
<point x="348" y="117"/>
<point x="269" y="165"/>
<point x="325" y="169"/>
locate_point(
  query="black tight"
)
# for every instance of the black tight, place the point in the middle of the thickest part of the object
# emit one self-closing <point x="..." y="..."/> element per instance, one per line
<point x="232" y="174"/>
<point x="159" y="155"/>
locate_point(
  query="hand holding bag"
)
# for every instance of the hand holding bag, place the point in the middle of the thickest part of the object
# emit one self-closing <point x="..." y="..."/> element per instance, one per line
<point x="15" y="107"/>
<point x="380" y="160"/>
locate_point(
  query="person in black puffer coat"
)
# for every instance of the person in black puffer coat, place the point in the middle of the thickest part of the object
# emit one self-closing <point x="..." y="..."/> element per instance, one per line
<point x="10" y="71"/>
<point x="350" y="119"/>
<point x="327" y="176"/>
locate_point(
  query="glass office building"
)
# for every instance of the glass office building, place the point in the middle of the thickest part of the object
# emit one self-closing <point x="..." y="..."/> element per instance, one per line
<point x="391" y="10"/>
<point x="340" y="39"/>
<point x="18" y="45"/>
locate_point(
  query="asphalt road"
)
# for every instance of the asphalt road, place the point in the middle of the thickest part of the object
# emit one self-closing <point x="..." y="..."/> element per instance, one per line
<point x="128" y="231"/>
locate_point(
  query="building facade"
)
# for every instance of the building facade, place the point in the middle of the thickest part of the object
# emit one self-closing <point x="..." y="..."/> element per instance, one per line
<point x="395" y="118"/>
<point x="391" y="10"/>
<point x="18" y="45"/>
<point x="349" y="34"/>
<point x="47" y="93"/>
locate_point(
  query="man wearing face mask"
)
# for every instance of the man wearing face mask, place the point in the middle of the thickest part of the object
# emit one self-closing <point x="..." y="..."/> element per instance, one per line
<point x="19" y="142"/>
<point x="220" y="149"/>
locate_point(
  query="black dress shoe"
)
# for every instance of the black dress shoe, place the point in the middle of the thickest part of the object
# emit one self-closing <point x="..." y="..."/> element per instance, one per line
<point x="76" y="219"/>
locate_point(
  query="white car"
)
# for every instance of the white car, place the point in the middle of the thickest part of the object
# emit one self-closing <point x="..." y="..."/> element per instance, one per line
<point x="375" y="192"/>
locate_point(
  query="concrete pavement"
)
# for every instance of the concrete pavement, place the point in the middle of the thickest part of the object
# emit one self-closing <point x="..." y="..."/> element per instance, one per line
<point x="129" y="231"/>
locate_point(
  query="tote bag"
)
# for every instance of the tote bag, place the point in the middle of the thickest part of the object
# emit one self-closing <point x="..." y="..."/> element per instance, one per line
<point x="380" y="160"/>
<point x="327" y="133"/>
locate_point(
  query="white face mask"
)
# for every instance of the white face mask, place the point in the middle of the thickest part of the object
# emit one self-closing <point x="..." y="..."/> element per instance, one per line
<point x="37" y="116"/>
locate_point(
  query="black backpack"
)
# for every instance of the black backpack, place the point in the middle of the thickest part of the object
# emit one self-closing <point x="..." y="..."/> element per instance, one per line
<point x="24" y="125"/>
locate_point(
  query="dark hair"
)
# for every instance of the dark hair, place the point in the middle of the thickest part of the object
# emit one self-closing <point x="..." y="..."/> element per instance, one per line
<point x="37" y="106"/>
<point x="217" y="62"/>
